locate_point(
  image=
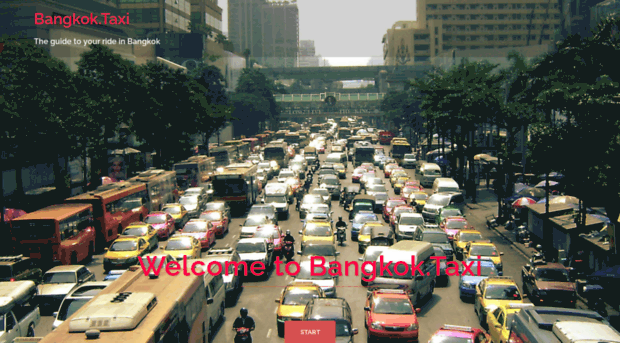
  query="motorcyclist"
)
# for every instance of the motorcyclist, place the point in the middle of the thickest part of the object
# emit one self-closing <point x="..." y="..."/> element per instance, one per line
<point x="299" y="195"/>
<point x="341" y="223"/>
<point x="244" y="321"/>
<point x="288" y="237"/>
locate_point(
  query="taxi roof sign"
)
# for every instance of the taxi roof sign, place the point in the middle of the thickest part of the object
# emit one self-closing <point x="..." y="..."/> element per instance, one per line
<point x="457" y="328"/>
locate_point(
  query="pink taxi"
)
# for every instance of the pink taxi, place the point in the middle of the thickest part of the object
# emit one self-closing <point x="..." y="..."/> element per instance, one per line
<point x="272" y="234"/>
<point x="162" y="222"/>
<point x="459" y="334"/>
<point x="200" y="229"/>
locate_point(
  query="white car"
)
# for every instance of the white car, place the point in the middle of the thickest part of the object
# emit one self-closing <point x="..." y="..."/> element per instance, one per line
<point x="408" y="225"/>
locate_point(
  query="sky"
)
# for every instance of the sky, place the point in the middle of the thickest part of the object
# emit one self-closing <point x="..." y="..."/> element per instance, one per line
<point x="346" y="32"/>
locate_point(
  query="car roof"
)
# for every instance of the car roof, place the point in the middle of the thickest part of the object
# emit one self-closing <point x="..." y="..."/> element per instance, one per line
<point x="332" y="308"/>
<point x="501" y="280"/>
<point x="251" y="240"/>
<point x="470" y="231"/>
<point x="72" y="268"/>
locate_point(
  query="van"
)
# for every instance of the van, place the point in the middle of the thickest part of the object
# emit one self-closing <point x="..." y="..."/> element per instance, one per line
<point x="418" y="286"/>
<point x="427" y="173"/>
<point x="337" y="157"/>
<point x="216" y="299"/>
<point x="445" y="184"/>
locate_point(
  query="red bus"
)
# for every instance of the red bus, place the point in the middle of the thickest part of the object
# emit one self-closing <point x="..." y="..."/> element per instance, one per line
<point x="385" y="137"/>
<point x="57" y="234"/>
<point x="114" y="207"/>
<point x="253" y="142"/>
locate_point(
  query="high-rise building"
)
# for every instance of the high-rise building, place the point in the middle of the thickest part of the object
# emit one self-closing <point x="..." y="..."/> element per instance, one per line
<point x="208" y="13"/>
<point x="156" y="16"/>
<point x="446" y="25"/>
<point x="245" y="26"/>
<point x="270" y="30"/>
<point x="307" y="54"/>
<point x="280" y="24"/>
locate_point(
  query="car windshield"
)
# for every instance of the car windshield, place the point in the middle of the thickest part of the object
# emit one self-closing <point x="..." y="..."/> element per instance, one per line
<point x="483" y="250"/>
<point x="284" y="174"/>
<point x="188" y="200"/>
<point x="438" y="237"/>
<point x="319" y="273"/>
<point x="502" y="292"/>
<point x="124" y="246"/>
<point x="179" y="244"/>
<point x="265" y="234"/>
<point x="172" y="210"/>
<point x="275" y="199"/>
<point x="456" y="224"/>
<point x="363" y="218"/>
<point x="377" y="188"/>
<point x="343" y="328"/>
<point x="419" y="196"/>
<point x="552" y="275"/>
<point x="338" y="166"/>
<point x="321" y="192"/>
<point x="299" y="297"/>
<point x="451" y="213"/>
<point x="372" y="255"/>
<point x="249" y="248"/>
<point x="318" y="230"/>
<point x="393" y="203"/>
<point x="319" y="250"/>
<point x="449" y="339"/>
<point x="470" y="237"/>
<point x="392" y="306"/>
<point x="380" y="197"/>
<point x="411" y="220"/>
<point x="310" y="199"/>
<point x="156" y="219"/>
<point x="330" y="181"/>
<point x="403" y="210"/>
<point x="214" y="206"/>
<point x="255" y="221"/>
<point x="195" y="227"/>
<point x="486" y="270"/>
<point x="409" y="156"/>
<point x="438" y="200"/>
<point x="135" y="231"/>
<point x="319" y="208"/>
<point x="264" y="165"/>
<point x="70" y="306"/>
<point x="60" y="277"/>
<point x="211" y="216"/>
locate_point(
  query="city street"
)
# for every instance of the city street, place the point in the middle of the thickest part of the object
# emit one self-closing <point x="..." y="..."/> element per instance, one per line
<point x="445" y="307"/>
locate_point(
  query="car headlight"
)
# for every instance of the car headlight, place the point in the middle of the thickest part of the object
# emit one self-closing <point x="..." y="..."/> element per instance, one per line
<point x="377" y="325"/>
<point x="412" y="327"/>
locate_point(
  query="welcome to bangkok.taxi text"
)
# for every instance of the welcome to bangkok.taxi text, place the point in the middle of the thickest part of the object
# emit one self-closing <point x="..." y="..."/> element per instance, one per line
<point x="369" y="269"/>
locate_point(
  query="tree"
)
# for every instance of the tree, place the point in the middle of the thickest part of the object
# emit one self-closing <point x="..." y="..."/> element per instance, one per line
<point x="580" y="80"/>
<point x="253" y="81"/>
<point x="36" y="98"/>
<point x="250" y="112"/>
<point x="107" y="83"/>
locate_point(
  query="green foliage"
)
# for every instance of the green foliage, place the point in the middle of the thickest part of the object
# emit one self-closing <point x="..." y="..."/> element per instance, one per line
<point x="254" y="82"/>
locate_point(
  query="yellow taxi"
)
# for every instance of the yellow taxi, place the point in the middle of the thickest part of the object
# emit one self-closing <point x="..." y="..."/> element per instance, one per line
<point x="178" y="213"/>
<point x="179" y="246"/>
<point x="400" y="183"/>
<point x="499" y="320"/>
<point x="418" y="200"/>
<point x="363" y="240"/>
<point x="462" y="238"/>
<point x="317" y="230"/>
<point x="144" y="230"/>
<point x="125" y="252"/>
<point x="486" y="250"/>
<point x="494" y="292"/>
<point x="293" y="300"/>
<point x="397" y="174"/>
<point x="341" y="170"/>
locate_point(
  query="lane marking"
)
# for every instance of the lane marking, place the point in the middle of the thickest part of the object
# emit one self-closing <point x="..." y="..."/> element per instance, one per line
<point x="234" y="236"/>
<point x="268" y="333"/>
<point x="227" y="245"/>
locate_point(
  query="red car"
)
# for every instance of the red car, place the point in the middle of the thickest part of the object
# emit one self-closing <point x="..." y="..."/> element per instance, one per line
<point x="460" y="334"/>
<point x="162" y="222"/>
<point x="200" y="229"/>
<point x="452" y="225"/>
<point x="391" y="315"/>
<point x="272" y="234"/>
<point x="397" y="210"/>
<point x="357" y="174"/>
<point x="414" y="183"/>
<point x="218" y="220"/>
<point x="390" y="204"/>
<point x="387" y="171"/>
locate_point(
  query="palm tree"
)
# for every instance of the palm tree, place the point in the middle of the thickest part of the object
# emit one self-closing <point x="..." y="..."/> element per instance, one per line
<point x="246" y="54"/>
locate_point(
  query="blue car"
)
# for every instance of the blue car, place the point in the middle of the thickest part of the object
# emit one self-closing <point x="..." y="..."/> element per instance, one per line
<point x="359" y="220"/>
<point x="468" y="283"/>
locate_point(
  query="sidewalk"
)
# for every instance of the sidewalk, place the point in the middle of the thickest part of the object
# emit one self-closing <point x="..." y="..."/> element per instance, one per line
<point x="486" y="204"/>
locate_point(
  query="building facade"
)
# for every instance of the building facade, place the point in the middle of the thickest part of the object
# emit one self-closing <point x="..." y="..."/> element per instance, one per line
<point x="155" y="16"/>
<point x="445" y="25"/>
<point x="280" y="27"/>
<point x="244" y="26"/>
<point x="307" y="54"/>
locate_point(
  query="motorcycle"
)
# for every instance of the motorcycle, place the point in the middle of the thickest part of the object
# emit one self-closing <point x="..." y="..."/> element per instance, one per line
<point x="289" y="250"/>
<point x="522" y="235"/>
<point x="243" y="335"/>
<point x="341" y="235"/>
<point x="492" y="222"/>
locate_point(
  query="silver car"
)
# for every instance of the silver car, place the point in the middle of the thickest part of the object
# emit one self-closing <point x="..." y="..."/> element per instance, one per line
<point x="409" y="161"/>
<point x="326" y="281"/>
<point x="58" y="282"/>
<point x="76" y="299"/>
<point x="408" y="226"/>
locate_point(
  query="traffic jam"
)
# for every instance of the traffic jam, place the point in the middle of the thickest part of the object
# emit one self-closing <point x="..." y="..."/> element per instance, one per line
<point x="337" y="223"/>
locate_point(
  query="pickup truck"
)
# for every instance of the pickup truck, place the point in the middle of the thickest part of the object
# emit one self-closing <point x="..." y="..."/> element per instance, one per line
<point x="19" y="322"/>
<point x="548" y="284"/>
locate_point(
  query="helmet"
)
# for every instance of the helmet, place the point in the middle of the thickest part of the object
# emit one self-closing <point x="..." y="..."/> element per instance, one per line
<point x="243" y="311"/>
<point x="340" y="218"/>
<point x="288" y="232"/>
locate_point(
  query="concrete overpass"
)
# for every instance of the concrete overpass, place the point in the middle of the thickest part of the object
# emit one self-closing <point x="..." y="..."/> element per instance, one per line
<point x="316" y="106"/>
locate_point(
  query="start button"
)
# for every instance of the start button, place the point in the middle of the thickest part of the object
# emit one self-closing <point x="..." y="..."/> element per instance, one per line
<point x="310" y="331"/>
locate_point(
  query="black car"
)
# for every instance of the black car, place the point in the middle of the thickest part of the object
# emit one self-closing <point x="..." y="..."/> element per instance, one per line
<point x="332" y="309"/>
<point x="19" y="268"/>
